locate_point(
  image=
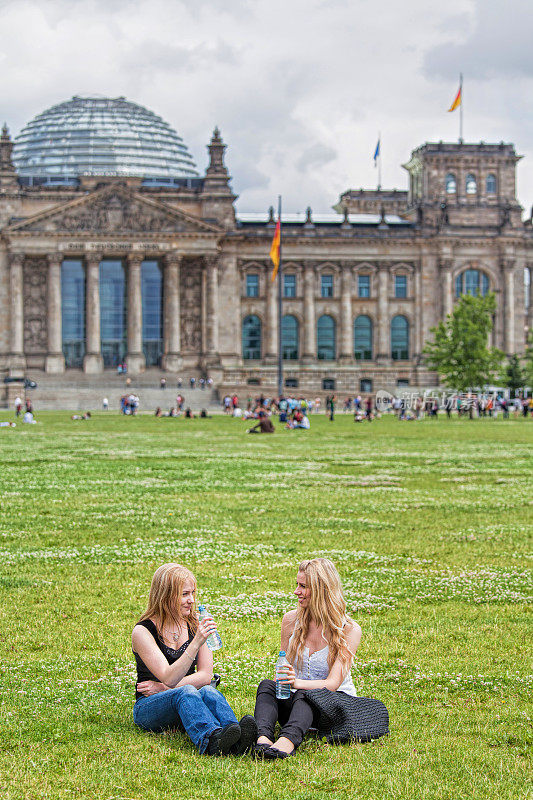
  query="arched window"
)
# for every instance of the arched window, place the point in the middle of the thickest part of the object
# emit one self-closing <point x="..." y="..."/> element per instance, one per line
<point x="399" y="338"/>
<point x="362" y="338"/>
<point x="470" y="184"/>
<point x="490" y="184"/>
<point x="73" y="312"/>
<point x="289" y="338"/>
<point x="251" y="337"/>
<point x="451" y="183"/>
<point x="113" y="312"/>
<point x="152" y="312"/>
<point x="326" y="348"/>
<point x="472" y="281"/>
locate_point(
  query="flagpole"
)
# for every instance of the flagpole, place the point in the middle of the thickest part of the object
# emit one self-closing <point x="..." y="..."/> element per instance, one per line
<point x="461" y="109"/>
<point x="379" y="163"/>
<point x="280" y="303"/>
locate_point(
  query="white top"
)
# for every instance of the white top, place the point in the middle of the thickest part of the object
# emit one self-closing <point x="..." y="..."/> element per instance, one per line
<point x="315" y="668"/>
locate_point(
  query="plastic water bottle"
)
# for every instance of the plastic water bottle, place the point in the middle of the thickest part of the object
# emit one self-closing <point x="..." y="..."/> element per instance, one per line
<point x="283" y="690"/>
<point x="213" y="641"/>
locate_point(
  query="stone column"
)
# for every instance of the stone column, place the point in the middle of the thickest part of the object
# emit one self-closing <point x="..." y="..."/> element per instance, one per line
<point x="271" y="316"/>
<point x="383" y="338"/>
<point x="211" y="266"/>
<point x="419" y="310"/>
<point x="530" y="299"/>
<point x="171" y="313"/>
<point x="509" y="310"/>
<point x="309" y="349"/>
<point x="55" y="360"/>
<point x="135" y="358"/>
<point x="447" y="288"/>
<point x="346" y="339"/>
<point x="17" y="361"/>
<point x="93" y="361"/>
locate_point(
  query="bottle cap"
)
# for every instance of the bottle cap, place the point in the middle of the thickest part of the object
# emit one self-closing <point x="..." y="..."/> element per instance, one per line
<point x="282" y="652"/>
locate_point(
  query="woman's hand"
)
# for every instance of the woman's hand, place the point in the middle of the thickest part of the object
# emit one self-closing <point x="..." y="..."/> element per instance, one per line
<point x="206" y="627"/>
<point x="287" y="675"/>
<point x="148" y="688"/>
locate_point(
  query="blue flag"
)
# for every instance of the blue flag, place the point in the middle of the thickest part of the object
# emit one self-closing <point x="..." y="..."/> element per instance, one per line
<point x="376" y="152"/>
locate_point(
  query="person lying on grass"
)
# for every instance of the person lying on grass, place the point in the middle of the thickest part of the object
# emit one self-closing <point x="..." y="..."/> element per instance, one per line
<point x="320" y="642"/>
<point x="175" y="668"/>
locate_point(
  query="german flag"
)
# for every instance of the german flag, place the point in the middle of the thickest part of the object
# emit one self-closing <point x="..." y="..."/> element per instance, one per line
<point x="457" y="102"/>
<point x="275" y="248"/>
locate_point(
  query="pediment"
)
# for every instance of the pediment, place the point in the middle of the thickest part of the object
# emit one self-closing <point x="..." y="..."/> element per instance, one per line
<point x="114" y="210"/>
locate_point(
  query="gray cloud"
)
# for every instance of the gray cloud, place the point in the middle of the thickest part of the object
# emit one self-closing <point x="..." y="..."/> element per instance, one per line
<point x="318" y="155"/>
<point x="497" y="46"/>
<point x="300" y="89"/>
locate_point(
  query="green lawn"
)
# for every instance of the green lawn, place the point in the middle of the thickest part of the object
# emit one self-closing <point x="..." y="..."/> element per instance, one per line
<point x="429" y="524"/>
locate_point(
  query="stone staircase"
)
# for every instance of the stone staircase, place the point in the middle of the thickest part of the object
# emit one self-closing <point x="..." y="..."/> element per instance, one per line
<point x="76" y="391"/>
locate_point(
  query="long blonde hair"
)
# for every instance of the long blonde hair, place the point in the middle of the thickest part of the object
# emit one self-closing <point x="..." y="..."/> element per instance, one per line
<point x="327" y="608"/>
<point x="164" y="601"/>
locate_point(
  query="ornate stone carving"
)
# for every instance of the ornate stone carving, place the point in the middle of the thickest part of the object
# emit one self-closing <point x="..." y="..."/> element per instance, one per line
<point x="35" y="314"/>
<point x="116" y="214"/>
<point x="114" y="211"/>
<point x="191" y="307"/>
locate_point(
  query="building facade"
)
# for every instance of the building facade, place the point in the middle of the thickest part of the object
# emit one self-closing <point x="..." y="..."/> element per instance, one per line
<point x="119" y="251"/>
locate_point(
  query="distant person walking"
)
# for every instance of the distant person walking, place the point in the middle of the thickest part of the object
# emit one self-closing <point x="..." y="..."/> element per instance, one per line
<point x="18" y="406"/>
<point x="332" y="402"/>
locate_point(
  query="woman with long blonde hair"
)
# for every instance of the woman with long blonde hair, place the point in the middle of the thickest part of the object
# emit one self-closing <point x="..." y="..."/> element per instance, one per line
<point x="320" y="642"/>
<point x="175" y="669"/>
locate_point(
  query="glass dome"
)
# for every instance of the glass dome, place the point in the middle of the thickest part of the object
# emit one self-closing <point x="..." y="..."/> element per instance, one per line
<point x="100" y="136"/>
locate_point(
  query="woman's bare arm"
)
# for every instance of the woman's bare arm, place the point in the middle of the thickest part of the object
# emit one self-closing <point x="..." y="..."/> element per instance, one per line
<point x="171" y="675"/>
<point x="336" y="673"/>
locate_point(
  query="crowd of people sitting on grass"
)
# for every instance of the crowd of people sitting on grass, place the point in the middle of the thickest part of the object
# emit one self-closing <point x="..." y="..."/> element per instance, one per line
<point x="177" y="411"/>
<point x="129" y="404"/>
<point x="472" y="405"/>
<point x="233" y="407"/>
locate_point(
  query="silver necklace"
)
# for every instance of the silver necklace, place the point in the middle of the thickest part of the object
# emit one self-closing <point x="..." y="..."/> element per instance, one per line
<point x="175" y="636"/>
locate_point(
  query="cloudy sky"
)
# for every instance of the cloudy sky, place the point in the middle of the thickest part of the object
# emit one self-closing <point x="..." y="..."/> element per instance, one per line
<point x="299" y="88"/>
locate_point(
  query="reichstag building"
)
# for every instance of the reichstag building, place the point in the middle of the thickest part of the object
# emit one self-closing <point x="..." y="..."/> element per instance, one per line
<point x="113" y="249"/>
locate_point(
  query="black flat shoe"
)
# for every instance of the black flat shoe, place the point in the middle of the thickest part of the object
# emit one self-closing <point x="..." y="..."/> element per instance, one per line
<point x="248" y="727"/>
<point x="258" y="750"/>
<point x="222" y="740"/>
<point x="272" y="752"/>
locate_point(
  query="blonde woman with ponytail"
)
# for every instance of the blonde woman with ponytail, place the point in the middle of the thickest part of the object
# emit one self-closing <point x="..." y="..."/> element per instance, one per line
<point x="175" y="668"/>
<point x="320" y="642"/>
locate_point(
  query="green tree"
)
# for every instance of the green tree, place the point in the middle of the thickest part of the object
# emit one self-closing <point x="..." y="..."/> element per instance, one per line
<point x="529" y="360"/>
<point x="459" y="351"/>
<point x="514" y="374"/>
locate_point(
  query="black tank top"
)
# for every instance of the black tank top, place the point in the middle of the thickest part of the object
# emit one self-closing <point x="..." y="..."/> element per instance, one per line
<point x="143" y="673"/>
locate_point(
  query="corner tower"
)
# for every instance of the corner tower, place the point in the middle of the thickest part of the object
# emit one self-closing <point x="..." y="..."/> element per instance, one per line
<point x="464" y="185"/>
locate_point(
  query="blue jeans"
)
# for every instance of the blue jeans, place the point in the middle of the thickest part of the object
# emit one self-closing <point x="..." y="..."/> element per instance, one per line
<point x="199" y="711"/>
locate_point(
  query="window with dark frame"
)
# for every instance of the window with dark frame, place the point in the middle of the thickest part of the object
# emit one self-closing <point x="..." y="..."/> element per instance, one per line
<point x="362" y="338"/>
<point x="363" y="285"/>
<point x="252" y="285"/>
<point x="251" y="338"/>
<point x="400" y="286"/>
<point x="326" y="286"/>
<point x="399" y="330"/>
<point x="289" y="285"/>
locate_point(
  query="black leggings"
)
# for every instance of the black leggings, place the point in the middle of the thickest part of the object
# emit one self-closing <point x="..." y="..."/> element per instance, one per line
<point x="295" y="715"/>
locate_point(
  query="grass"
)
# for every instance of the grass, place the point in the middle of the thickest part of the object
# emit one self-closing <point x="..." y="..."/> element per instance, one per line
<point x="429" y="524"/>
